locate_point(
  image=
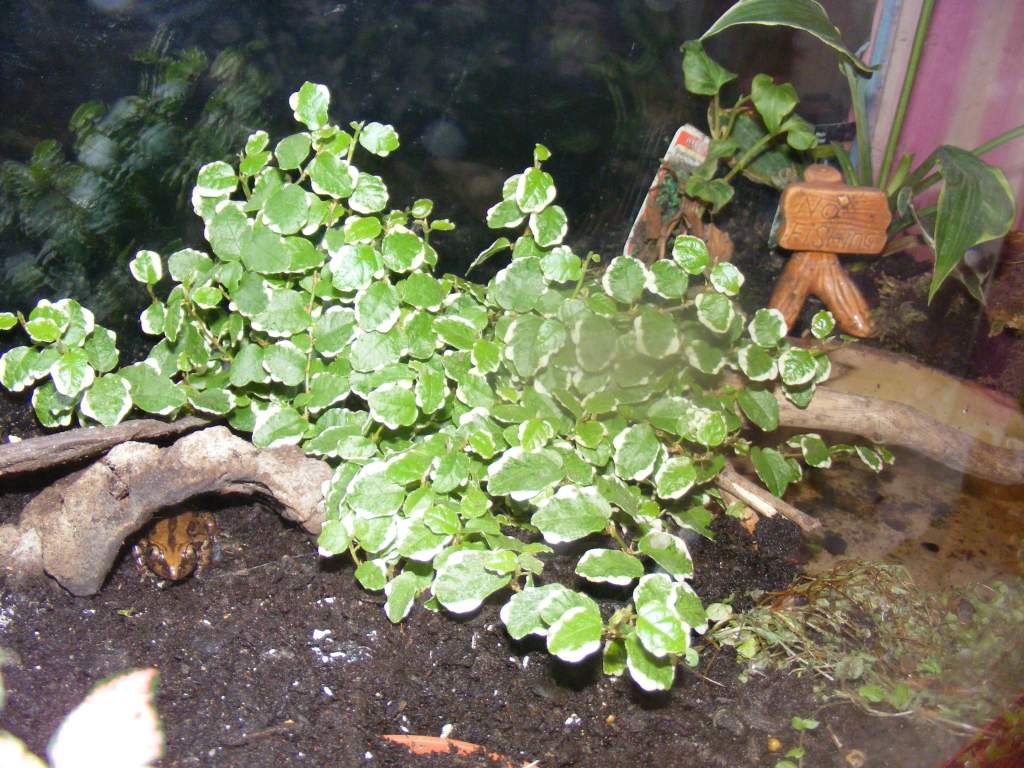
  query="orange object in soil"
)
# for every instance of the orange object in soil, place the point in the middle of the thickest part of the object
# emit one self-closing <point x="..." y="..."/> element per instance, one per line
<point x="436" y="745"/>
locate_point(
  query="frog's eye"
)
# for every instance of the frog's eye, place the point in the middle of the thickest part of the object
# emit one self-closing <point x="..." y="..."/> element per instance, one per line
<point x="154" y="552"/>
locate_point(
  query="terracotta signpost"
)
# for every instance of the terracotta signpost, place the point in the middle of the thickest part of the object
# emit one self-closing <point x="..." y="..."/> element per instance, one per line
<point x="822" y="217"/>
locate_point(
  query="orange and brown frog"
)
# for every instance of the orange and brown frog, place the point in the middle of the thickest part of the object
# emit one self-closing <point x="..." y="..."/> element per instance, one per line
<point x="177" y="546"/>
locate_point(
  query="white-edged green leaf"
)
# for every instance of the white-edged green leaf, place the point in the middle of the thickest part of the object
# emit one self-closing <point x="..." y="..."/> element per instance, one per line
<point x="646" y="669"/>
<point x="377" y="307"/>
<point x="401" y="592"/>
<point x="522" y="614"/>
<point x="219" y="402"/>
<point x="767" y="327"/>
<point x="535" y="190"/>
<point x="576" y="634"/>
<point x="726" y="278"/>
<point x="278" y="426"/>
<point x="72" y="372"/>
<point x="667" y="279"/>
<point x="715" y="311"/>
<point x="797" y="366"/>
<point x="379" y="139"/>
<point x="518" y="286"/>
<point x="691" y="253"/>
<point x="463" y="581"/>
<point x="549" y="226"/>
<point x="523" y="475"/>
<point x="624" y="279"/>
<point x="216" y="179"/>
<point x="310" y="104"/>
<point x="571" y="514"/>
<point x="108" y="400"/>
<point x="822" y="324"/>
<point x="772" y="468"/>
<point x="611" y="566"/>
<point x="675" y="477"/>
<point x="756" y="363"/>
<point x="393" y="404"/>
<point x="146" y="267"/>
<point x="636" y="451"/>
<point x="668" y="551"/>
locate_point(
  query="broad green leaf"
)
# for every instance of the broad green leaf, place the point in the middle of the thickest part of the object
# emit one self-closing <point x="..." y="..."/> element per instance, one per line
<point x="772" y="468"/>
<point x="292" y="151"/>
<point x="402" y="252"/>
<point x="636" y="451"/>
<point x="247" y="366"/>
<point x="549" y="226"/>
<point x="624" y="279"/>
<point x="611" y="566"/>
<point x="535" y="190"/>
<point x="216" y="180"/>
<point x="807" y="15"/>
<point x="646" y="669"/>
<point x="264" y="251"/>
<point x="455" y="332"/>
<point x="756" y="363"/>
<point x="702" y="74"/>
<point x="613" y="659"/>
<point x="72" y="372"/>
<point x="761" y="407"/>
<point x="421" y="290"/>
<point x="822" y="324"/>
<point x="976" y="205"/>
<point x="691" y="253"/>
<point x="561" y="265"/>
<point x="417" y="542"/>
<point x="767" y="328"/>
<point x="522" y="614"/>
<point x="505" y="214"/>
<point x="371" y="196"/>
<point x="146" y="267"/>
<point x="717" y="192"/>
<point x="715" y="311"/>
<point x="870" y="457"/>
<point x="108" y="400"/>
<point x="278" y="426"/>
<point x="499" y="245"/>
<point x="286" y="210"/>
<point x="658" y="625"/>
<point x="656" y="333"/>
<point x="576" y="634"/>
<point x="361" y="228"/>
<point x="51" y="408"/>
<point x="675" y="477"/>
<point x="667" y="279"/>
<point x="463" y="581"/>
<point x="518" y="286"/>
<point x="7" y="321"/>
<point x="285" y="363"/>
<point x="377" y="307"/>
<point x="401" y="592"/>
<point x="332" y="176"/>
<point x="393" y="404"/>
<point x="797" y="366"/>
<point x="595" y="340"/>
<point x="726" y="278"/>
<point x="379" y="139"/>
<point x="668" y="551"/>
<point x="571" y="514"/>
<point x="354" y="267"/>
<point x="309" y="105"/>
<point x="218" y="402"/>
<point x="152" y="392"/>
<point x="523" y="475"/>
<point x="333" y="331"/>
<point x="372" y="575"/>
<point x="286" y="314"/>
<point x="334" y="538"/>
<point x="773" y="102"/>
<point x="814" y="450"/>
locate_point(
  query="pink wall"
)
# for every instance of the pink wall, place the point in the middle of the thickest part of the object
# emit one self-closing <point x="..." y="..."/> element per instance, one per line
<point x="970" y="85"/>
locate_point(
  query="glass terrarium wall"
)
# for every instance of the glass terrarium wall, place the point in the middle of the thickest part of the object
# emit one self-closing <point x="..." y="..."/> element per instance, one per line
<point x="120" y="102"/>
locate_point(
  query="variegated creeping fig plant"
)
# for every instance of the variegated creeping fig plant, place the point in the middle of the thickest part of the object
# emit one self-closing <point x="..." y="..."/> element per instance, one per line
<point x="463" y="419"/>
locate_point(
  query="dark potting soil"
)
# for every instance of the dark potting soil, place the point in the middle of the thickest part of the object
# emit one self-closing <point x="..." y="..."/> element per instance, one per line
<point x="274" y="657"/>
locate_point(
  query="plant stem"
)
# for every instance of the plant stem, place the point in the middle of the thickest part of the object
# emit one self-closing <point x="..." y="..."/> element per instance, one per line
<point x="920" y="34"/>
<point x="749" y="155"/>
<point x="860" y="118"/>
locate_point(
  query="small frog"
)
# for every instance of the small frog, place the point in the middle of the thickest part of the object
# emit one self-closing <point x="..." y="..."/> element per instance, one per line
<point x="176" y="546"/>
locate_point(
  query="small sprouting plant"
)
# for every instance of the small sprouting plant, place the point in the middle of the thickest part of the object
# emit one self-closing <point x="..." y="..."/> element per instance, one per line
<point x="473" y="427"/>
<point x="801" y="725"/>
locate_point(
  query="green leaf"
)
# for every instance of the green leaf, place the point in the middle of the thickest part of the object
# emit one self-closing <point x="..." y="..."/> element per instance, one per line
<point x="421" y="290"/>
<point x="402" y="252"/>
<point x="667" y="279"/>
<point x="108" y="400"/>
<point x="372" y="575"/>
<point x="613" y="660"/>
<point x="393" y="404"/>
<point x="806" y="15"/>
<point x="371" y="196"/>
<point x="814" y="450"/>
<point x="691" y="253"/>
<point x="523" y="613"/>
<point x="541" y="153"/>
<point x="656" y="333"/>
<point x="624" y="279"/>
<point x="772" y="468"/>
<point x="822" y="324"/>
<point x="675" y="477"/>
<point x="334" y="538"/>
<point x="761" y="407"/>
<point x="263" y="251"/>
<point x="756" y="363"/>
<point x="72" y="372"/>
<point x="146" y="267"/>
<point x="636" y="451"/>
<point x="286" y="314"/>
<point x="152" y="392"/>
<point x="702" y="74"/>
<point x="975" y="205"/>
<point x="523" y="475"/>
<point x="7" y="321"/>
<point x="767" y="328"/>
<point x="309" y="105"/>
<point x="216" y="180"/>
<point x="218" y="402"/>
<point x="773" y="102"/>
<point x="549" y="226"/>
<point x="379" y="139"/>
<point x="505" y="214"/>
<point x="726" y="278"/>
<point x="609" y="566"/>
<point x="870" y="457"/>
<point x="279" y="426"/>
<point x="715" y="312"/>
<point x="647" y="670"/>
<point x="401" y="592"/>
<point x="377" y="307"/>
<point x="292" y="151"/>
<point x="332" y="176"/>
<point x="797" y="366"/>
<point x="658" y="625"/>
<point x="595" y="340"/>
<point x="497" y="246"/>
<point x="285" y="363"/>
<point x="668" y="551"/>
<point x="535" y="190"/>
<point x="463" y="581"/>
<point x="717" y="192"/>
<point x="361" y="228"/>
<point x="354" y="267"/>
<point x="576" y="634"/>
<point x="518" y="286"/>
<point x="571" y="514"/>
<point x="286" y="210"/>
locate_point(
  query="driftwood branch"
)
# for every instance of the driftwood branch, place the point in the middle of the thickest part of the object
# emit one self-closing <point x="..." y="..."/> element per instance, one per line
<point x="893" y="423"/>
<point x="75" y="445"/>
<point x="762" y="502"/>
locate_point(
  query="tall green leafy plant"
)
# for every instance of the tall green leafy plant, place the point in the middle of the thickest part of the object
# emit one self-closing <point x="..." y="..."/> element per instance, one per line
<point x="473" y="428"/>
<point x="975" y="203"/>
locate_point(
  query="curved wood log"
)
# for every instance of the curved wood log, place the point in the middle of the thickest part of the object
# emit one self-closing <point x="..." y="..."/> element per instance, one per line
<point x="74" y="445"/>
<point x="894" y="423"/>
